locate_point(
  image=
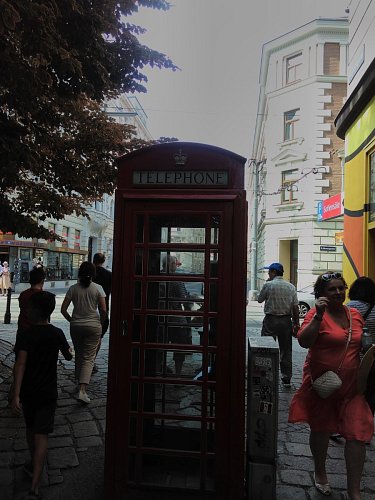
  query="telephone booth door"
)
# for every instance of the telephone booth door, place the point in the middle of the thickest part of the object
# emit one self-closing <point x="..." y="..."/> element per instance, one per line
<point x="175" y="418"/>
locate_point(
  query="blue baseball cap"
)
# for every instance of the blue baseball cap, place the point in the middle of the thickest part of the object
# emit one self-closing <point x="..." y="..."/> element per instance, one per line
<point x="275" y="266"/>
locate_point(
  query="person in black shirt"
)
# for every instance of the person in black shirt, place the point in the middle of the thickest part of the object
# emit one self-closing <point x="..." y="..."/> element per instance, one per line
<point x="35" y="385"/>
<point x="103" y="277"/>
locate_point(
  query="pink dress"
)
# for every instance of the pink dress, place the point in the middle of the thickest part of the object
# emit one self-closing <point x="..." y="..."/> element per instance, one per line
<point x="345" y="411"/>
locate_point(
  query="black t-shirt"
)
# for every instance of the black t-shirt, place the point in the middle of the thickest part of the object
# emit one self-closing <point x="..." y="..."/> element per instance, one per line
<point x="42" y="344"/>
<point x="104" y="278"/>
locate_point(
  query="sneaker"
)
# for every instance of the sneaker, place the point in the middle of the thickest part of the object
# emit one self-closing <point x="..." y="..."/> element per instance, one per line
<point x="286" y="382"/>
<point x="82" y="396"/>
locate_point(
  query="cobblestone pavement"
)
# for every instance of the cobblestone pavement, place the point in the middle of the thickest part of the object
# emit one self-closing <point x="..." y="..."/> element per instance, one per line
<point x="76" y="449"/>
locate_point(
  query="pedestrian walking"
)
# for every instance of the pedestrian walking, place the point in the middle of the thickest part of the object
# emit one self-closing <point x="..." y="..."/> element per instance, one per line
<point x="362" y="298"/>
<point x="37" y="277"/>
<point x="35" y="384"/>
<point x="102" y="277"/>
<point x="332" y="333"/>
<point x="281" y="320"/>
<point x="85" y="323"/>
<point x="5" y="279"/>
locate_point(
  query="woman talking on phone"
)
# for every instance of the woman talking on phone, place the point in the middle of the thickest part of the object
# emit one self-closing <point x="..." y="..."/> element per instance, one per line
<point x="332" y="333"/>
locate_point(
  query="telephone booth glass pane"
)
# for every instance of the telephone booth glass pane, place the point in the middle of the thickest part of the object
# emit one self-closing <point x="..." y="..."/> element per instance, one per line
<point x="171" y="228"/>
<point x="139" y="229"/>
<point x="138" y="262"/>
<point x="215" y="223"/>
<point x="137" y="294"/>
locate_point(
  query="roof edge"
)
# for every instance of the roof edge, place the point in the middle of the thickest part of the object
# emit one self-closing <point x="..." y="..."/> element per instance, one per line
<point x="356" y="102"/>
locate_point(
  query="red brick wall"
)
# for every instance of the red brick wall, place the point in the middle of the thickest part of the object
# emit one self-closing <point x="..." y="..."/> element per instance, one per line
<point x="338" y="93"/>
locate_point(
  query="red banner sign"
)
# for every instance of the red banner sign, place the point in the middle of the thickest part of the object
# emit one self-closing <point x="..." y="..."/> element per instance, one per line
<point x="332" y="207"/>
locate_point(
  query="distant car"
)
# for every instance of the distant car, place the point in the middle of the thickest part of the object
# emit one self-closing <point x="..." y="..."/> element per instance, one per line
<point x="306" y="300"/>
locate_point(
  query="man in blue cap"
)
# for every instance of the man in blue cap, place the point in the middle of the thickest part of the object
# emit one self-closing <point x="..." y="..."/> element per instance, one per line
<point x="281" y="319"/>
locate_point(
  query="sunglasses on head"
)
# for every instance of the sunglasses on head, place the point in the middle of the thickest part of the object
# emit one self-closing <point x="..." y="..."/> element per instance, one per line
<point x="331" y="276"/>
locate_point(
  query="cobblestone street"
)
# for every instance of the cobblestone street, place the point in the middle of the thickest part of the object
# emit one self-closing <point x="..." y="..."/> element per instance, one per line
<point x="76" y="451"/>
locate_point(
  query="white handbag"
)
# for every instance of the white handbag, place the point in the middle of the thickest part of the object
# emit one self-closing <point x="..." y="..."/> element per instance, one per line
<point x="330" y="382"/>
<point x="326" y="384"/>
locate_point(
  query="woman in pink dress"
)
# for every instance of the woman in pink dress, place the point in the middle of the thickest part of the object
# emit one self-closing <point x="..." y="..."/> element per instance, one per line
<point x="325" y="332"/>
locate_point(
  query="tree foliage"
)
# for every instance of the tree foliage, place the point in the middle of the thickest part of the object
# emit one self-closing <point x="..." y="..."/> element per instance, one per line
<point x="59" y="61"/>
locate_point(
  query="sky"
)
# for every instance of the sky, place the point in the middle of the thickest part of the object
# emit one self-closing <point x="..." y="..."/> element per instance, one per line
<point x="217" y="45"/>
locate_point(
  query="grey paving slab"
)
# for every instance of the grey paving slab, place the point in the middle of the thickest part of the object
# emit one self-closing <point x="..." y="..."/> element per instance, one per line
<point x="84" y="429"/>
<point x="295" y="477"/>
<point x="86" y="442"/>
<point x="60" y="458"/>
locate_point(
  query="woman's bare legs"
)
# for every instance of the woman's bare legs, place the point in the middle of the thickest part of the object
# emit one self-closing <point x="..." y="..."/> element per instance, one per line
<point x="319" y="446"/>
<point x="355" y="453"/>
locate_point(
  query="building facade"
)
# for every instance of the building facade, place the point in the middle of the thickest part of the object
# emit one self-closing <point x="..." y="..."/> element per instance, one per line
<point x="356" y="124"/>
<point x="82" y="237"/>
<point x="297" y="157"/>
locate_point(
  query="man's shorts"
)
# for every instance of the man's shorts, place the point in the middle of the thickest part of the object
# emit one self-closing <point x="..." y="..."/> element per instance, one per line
<point x="39" y="416"/>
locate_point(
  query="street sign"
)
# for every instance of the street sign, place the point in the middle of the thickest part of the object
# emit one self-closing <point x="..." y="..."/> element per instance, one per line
<point x="328" y="248"/>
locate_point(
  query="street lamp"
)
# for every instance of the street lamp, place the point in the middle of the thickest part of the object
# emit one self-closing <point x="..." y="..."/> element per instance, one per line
<point x="257" y="167"/>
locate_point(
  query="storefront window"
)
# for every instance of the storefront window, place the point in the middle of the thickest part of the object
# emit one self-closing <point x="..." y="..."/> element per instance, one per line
<point x="77" y="261"/>
<point x="372" y="187"/>
<point x="52" y="266"/>
<point x="66" y="266"/>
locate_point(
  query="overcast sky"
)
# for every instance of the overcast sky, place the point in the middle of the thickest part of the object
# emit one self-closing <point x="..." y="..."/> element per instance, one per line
<point x="217" y="44"/>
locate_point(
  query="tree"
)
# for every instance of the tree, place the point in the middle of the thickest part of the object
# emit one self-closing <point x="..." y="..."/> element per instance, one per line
<point x="59" y="61"/>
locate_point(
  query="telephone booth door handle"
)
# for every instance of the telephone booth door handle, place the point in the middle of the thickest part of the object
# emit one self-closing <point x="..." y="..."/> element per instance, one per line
<point x="124" y="327"/>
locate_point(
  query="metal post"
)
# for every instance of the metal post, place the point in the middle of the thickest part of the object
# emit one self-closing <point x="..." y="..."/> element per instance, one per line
<point x="254" y="233"/>
<point x="257" y="165"/>
<point x="7" y="315"/>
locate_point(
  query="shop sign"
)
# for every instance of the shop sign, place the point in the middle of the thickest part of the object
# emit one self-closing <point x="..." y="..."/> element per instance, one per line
<point x="6" y="236"/>
<point x="330" y="208"/>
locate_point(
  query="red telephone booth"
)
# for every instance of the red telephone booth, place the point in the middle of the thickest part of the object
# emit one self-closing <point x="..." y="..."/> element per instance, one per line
<point x="176" y="380"/>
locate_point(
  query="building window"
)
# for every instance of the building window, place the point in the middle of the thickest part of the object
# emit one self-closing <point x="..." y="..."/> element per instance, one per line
<point x="372" y="187"/>
<point x="290" y="120"/>
<point x="65" y="235"/>
<point x="77" y="239"/>
<point x="52" y="230"/>
<point x="289" y="187"/>
<point x="293" y="66"/>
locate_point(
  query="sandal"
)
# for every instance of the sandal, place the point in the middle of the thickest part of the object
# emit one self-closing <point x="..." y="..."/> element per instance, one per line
<point x="324" y="489"/>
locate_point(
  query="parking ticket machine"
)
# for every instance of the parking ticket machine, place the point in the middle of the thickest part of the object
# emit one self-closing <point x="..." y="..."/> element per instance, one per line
<point x="175" y="423"/>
